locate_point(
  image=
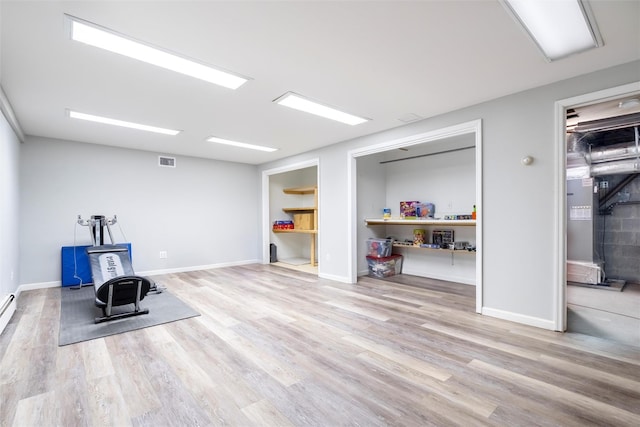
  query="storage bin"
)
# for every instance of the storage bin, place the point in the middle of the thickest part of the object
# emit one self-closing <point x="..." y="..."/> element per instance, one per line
<point x="379" y="248"/>
<point x="385" y="267"/>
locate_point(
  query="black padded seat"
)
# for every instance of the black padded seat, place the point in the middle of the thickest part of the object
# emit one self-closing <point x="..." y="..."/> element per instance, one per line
<point x="115" y="282"/>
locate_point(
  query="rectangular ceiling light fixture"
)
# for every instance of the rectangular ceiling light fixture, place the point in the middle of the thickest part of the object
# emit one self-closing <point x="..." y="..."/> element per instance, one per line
<point x="558" y="27"/>
<point x="299" y="102"/>
<point x="241" y="144"/>
<point x="115" y="122"/>
<point x="103" y="38"/>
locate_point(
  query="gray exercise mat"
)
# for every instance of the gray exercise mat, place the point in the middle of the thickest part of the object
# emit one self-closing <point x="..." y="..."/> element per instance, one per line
<point x="78" y="312"/>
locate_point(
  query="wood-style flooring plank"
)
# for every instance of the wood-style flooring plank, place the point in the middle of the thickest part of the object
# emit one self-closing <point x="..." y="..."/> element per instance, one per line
<point x="592" y="408"/>
<point x="278" y="347"/>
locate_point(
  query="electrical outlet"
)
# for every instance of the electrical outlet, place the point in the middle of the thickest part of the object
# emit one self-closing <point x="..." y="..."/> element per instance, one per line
<point x="163" y="254"/>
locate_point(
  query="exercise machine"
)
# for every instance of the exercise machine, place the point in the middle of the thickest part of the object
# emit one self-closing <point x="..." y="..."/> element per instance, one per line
<point x="114" y="280"/>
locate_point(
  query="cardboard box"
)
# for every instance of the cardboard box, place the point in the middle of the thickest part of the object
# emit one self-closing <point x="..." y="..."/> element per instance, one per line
<point x="303" y="221"/>
<point x="408" y="210"/>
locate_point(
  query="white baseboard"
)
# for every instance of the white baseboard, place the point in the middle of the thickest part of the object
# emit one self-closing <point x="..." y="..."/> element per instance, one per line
<point x="519" y="318"/>
<point x="40" y="285"/>
<point x="58" y="283"/>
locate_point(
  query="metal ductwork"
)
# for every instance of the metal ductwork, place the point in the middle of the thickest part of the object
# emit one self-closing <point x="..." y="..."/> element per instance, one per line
<point x="615" y="168"/>
<point x="614" y="152"/>
<point x="609" y="123"/>
<point x="584" y="161"/>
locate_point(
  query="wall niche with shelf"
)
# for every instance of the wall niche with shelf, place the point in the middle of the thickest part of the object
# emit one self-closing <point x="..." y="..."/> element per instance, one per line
<point x="293" y="196"/>
<point x="442" y="173"/>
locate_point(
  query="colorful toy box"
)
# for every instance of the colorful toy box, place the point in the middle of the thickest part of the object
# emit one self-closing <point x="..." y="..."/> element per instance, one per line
<point x="408" y="209"/>
<point x="417" y="210"/>
<point x="283" y="225"/>
<point x="425" y="210"/>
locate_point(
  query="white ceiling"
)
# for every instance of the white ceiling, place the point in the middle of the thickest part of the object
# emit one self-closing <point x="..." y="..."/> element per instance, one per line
<point x="376" y="59"/>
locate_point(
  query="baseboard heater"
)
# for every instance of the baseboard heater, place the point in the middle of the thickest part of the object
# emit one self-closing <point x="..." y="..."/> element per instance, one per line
<point x="7" y="309"/>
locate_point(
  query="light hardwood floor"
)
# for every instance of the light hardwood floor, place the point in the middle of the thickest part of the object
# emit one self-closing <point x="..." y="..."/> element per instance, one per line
<point x="276" y="347"/>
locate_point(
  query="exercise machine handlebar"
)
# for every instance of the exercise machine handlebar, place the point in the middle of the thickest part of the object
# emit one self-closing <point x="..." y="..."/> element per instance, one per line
<point x="97" y="223"/>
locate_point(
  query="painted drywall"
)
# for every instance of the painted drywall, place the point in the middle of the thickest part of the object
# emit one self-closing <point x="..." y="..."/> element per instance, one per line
<point x="202" y="213"/>
<point x="290" y="245"/>
<point x="518" y="207"/>
<point x="9" y="214"/>
<point x="446" y="180"/>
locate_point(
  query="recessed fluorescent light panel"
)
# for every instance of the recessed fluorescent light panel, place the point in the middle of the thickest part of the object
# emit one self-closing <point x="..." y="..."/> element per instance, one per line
<point x="558" y="27"/>
<point x="241" y="144"/>
<point x="301" y="103"/>
<point x="103" y="38"/>
<point x="122" y="123"/>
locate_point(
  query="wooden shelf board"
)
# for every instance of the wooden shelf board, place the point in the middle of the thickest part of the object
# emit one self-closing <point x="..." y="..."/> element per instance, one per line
<point x="296" y="231"/>
<point x="448" y="251"/>
<point x="443" y="222"/>
<point x="300" y="190"/>
<point x="302" y="209"/>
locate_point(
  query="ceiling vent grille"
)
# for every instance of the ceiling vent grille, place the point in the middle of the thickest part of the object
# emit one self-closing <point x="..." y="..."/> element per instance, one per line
<point x="166" y="162"/>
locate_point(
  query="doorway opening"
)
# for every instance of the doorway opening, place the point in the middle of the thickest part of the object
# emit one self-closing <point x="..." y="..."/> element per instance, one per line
<point x="290" y="216"/>
<point x="368" y="195"/>
<point x="601" y="220"/>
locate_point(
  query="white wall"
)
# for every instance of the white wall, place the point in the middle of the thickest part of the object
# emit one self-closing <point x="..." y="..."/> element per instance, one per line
<point x="447" y="180"/>
<point x="9" y="214"/>
<point x="518" y="206"/>
<point x="203" y="212"/>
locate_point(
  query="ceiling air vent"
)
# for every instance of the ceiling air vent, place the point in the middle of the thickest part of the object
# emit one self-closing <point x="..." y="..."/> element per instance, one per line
<point x="167" y="162"/>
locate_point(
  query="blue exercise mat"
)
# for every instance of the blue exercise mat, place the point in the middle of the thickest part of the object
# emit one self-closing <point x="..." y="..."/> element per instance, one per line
<point x="75" y="265"/>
